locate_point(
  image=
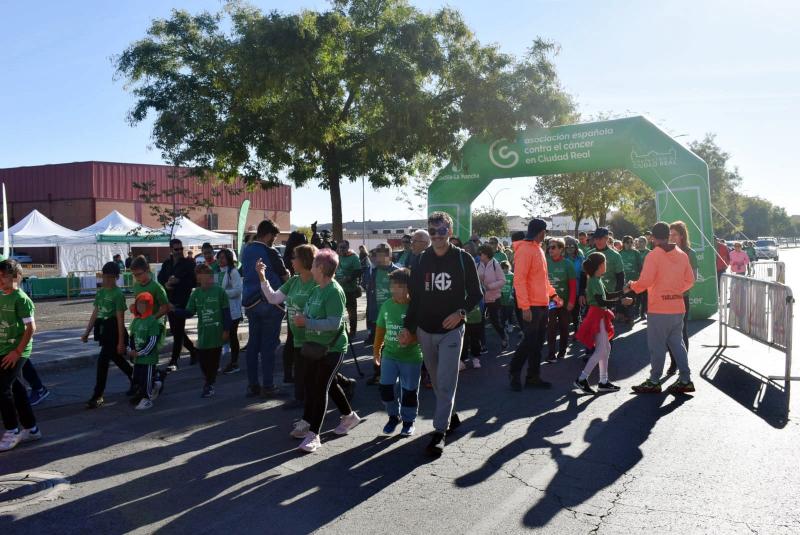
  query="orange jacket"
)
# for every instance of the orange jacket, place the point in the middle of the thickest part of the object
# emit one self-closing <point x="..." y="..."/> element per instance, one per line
<point x="666" y="275"/>
<point x="531" y="285"/>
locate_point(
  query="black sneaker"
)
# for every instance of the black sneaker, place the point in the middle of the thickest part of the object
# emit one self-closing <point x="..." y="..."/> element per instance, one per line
<point x="536" y="382"/>
<point x="607" y="387"/>
<point x="269" y="392"/>
<point x="583" y="384"/>
<point x="349" y="389"/>
<point x="231" y="368"/>
<point x="208" y="391"/>
<point x="253" y="391"/>
<point x="673" y="368"/>
<point x="455" y="422"/>
<point x="435" y="447"/>
<point x="516" y="384"/>
<point x="551" y="358"/>
<point x="94" y="403"/>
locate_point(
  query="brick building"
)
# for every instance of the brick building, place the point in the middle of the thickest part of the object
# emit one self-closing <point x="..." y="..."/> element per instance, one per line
<point x="76" y="195"/>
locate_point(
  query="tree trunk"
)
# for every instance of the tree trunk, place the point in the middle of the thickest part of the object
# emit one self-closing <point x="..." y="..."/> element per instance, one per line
<point x="334" y="184"/>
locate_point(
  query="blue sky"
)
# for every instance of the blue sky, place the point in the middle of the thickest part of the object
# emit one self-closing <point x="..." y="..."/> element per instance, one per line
<point x="726" y="67"/>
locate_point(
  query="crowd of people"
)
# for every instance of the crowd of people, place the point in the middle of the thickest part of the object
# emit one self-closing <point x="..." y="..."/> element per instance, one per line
<point x="425" y="313"/>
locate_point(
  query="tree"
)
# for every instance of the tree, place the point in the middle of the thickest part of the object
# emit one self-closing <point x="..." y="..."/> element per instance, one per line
<point x="723" y="183"/>
<point x="621" y="226"/>
<point x="489" y="222"/>
<point x="362" y="89"/>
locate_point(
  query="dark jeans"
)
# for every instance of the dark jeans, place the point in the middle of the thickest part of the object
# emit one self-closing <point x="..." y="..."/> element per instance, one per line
<point x="289" y="355"/>
<point x="472" y="340"/>
<point x="14" y="398"/>
<point x="109" y="354"/>
<point x="351" y="304"/>
<point x="558" y="324"/>
<point x="672" y="361"/>
<point x="209" y="363"/>
<point x="508" y="316"/>
<point x="264" y="330"/>
<point x="321" y="381"/>
<point x="177" y="325"/>
<point x="494" y="309"/>
<point x="530" y="347"/>
<point x="233" y="341"/>
<point x="642" y="302"/>
<point x="30" y="375"/>
<point x="299" y="370"/>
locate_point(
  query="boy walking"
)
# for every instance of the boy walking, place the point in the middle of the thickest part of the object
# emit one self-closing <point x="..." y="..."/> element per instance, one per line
<point x="147" y="333"/>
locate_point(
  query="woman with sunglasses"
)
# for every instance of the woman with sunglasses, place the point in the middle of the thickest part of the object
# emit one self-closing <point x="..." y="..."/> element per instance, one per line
<point x="573" y="253"/>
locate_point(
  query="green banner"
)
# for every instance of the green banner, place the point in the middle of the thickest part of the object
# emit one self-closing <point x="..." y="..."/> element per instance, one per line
<point x="154" y="237"/>
<point x="242" y="222"/>
<point x="678" y="177"/>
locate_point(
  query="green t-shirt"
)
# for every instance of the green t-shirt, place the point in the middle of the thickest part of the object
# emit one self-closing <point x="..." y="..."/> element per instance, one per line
<point x="631" y="263"/>
<point x="108" y="302"/>
<point x="156" y="290"/>
<point x="585" y="249"/>
<point x="613" y="266"/>
<point x="208" y="305"/>
<point x="141" y="331"/>
<point x="642" y="255"/>
<point x="14" y="307"/>
<point x="595" y="287"/>
<point x="751" y="254"/>
<point x="297" y="292"/>
<point x="382" y="292"/>
<point x="505" y="291"/>
<point x="474" y="316"/>
<point x="500" y="256"/>
<point x="348" y="272"/>
<point x="391" y="318"/>
<point x="324" y="303"/>
<point x="560" y="273"/>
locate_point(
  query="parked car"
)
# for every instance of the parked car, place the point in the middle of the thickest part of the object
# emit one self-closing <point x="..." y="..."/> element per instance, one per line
<point x="767" y="248"/>
<point x="22" y="258"/>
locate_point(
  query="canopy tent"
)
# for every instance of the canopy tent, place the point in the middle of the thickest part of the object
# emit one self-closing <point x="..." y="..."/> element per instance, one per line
<point x="191" y="233"/>
<point x="36" y="230"/>
<point x="99" y="242"/>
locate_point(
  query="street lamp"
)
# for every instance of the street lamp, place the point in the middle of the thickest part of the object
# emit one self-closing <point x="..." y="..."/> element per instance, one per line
<point x="495" y="195"/>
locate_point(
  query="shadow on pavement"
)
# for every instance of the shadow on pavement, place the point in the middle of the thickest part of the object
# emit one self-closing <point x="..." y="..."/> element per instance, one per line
<point x="752" y="390"/>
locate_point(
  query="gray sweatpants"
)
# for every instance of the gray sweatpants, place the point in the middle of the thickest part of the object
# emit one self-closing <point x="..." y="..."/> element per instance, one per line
<point x="666" y="330"/>
<point x="441" y="353"/>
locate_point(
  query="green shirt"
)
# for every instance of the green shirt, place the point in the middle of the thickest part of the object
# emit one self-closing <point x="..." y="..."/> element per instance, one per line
<point x="382" y="292"/>
<point x="14" y="307"/>
<point x="141" y="331"/>
<point x="348" y="272"/>
<point x="642" y="255"/>
<point x="613" y="266"/>
<point x="505" y="291"/>
<point x="594" y="288"/>
<point x="751" y="253"/>
<point x="631" y="263"/>
<point x="208" y="305"/>
<point x="692" y="254"/>
<point x="297" y="292"/>
<point x="500" y="256"/>
<point x="391" y="318"/>
<point x="474" y="316"/>
<point x="560" y="273"/>
<point x="155" y="289"/>
<point x="327" y="302"/>
<point x="108" y="302"/>
<point x="585" y="249"/>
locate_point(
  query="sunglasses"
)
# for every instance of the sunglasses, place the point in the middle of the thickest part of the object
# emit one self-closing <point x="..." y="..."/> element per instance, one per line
<point x="439" y="231"/>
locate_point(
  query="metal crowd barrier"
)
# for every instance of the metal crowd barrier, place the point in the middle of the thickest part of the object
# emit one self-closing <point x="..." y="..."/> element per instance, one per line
<point x="761" y="310"/>
<point x="768" y="271"/>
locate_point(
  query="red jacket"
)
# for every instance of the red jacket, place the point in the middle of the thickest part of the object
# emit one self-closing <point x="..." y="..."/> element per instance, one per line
<point x="531" y="284"/>
<point x="723" y="257"/>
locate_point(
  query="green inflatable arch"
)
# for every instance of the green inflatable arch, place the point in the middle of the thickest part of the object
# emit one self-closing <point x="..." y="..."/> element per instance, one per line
<point x="678" y="177"/>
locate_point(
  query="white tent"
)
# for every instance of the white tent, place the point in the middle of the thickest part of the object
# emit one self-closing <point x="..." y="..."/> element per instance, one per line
<point x="191" y="233"/>
<point x="96" y="244"/>
<point x="36" y="230"/>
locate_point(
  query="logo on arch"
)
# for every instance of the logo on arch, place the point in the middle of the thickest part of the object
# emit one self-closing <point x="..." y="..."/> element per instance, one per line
<point x="505" y="158"/>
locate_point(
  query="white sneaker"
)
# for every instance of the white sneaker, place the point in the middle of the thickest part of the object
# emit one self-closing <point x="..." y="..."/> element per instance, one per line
<point x="9" y="440"/>
<point x="30" y="436"/>
<point x="157" y="386"/>
<point x="476" y="363"/>
<point x="144" y="404"/>
<point x="300" y="430"/>
<point x="310" y="443"/>
<point x="346" y="423"/>
<point x="462" y="365"/>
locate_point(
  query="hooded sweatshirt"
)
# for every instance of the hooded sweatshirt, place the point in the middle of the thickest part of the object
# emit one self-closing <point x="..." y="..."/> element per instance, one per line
<point x="531" y="284"/>
<point x="665" y="277"/>
<point x="492" y="278"/>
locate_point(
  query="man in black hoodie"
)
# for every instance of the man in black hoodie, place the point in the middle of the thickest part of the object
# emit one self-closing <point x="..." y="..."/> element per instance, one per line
<point x="178" y="279"/>
<point x="444" y="286"/>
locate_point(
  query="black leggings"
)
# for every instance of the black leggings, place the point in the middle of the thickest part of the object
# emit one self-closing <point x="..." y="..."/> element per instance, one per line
<point x="209" y="363"/>
<point x="558" y="325"/>
<point x="233" y="341"/>
<point x="351" y="303"/>
<point x="30" y="375"/>
<point x="14" y="404"/>
<point x="493" y="310"/>
<point x="321" y="381"/>
<point x="177" y="325"/>
<point x="109" y="354"/>
<point x="472" y="340"/>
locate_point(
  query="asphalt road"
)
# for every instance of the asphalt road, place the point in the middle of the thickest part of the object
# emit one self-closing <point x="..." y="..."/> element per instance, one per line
<point x="723" y="460"/>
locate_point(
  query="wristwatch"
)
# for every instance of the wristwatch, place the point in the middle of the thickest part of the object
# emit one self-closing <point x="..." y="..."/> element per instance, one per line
<point x="462" y="312"/>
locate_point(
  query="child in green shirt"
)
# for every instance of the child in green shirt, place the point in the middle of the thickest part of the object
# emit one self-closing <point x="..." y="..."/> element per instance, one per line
<point x="210" y="303"/>
<point x="398" y="362"/>
<point x="631" y="265"/>
<point x="16" y="334"/>
<point x="507" y="298"/>
<point x="147" y="334"/>
<point x="108" y="323"/>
